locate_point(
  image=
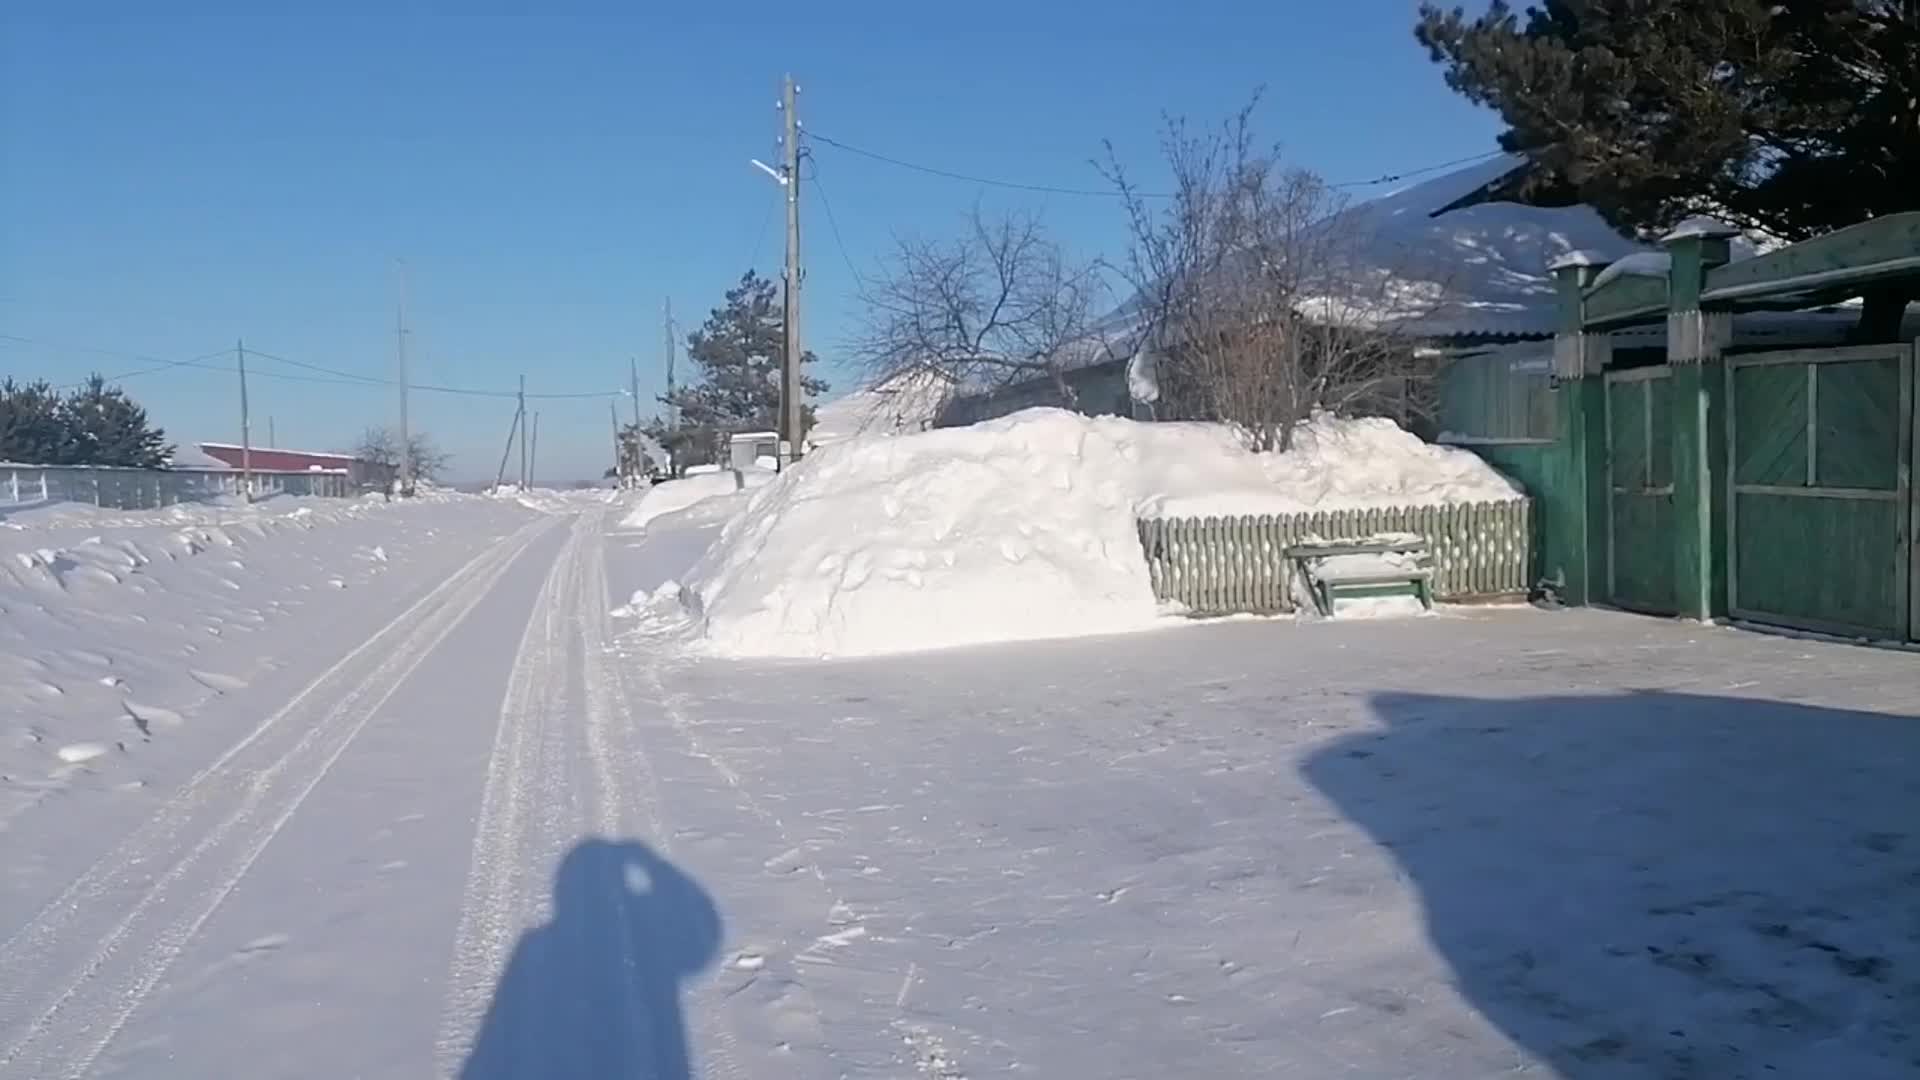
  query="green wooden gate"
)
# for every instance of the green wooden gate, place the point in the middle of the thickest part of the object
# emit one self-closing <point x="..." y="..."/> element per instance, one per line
<point x="1821" y="512"/>
<point x="1640" y="559"/>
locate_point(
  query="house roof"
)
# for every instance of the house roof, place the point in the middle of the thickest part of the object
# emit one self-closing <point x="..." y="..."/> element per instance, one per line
<point x="1483" y="260"/>
<point x="343" y="459"/>
<point x="906" y="400"/>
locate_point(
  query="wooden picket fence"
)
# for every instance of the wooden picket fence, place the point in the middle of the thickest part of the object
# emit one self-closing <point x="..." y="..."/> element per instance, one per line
<point x="1238" y="565"/>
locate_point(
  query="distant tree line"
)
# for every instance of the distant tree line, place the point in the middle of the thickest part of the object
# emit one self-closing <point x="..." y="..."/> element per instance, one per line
<point x="95" y="424"/>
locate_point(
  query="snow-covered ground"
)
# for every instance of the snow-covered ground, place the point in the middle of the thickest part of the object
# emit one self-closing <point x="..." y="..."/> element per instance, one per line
<point x="472" y="822"/>
<point x="120" y="631"/>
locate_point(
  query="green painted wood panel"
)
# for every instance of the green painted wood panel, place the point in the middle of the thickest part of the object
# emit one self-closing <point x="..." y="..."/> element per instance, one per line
<point x="1640" y="508"/>
<point x="1643" y="562"/>
<point x="1855" y="250"/>
<point x="1822" y="563"/>
<point x="1857" y="427"/>
<point x="1498" y="395"/>
<point x="1625" y="299"/>
<point x="1627" y="458"/>
<point x="1770" y="425"/>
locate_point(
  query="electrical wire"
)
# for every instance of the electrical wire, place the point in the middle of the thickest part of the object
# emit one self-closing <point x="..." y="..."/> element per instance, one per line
<point x="834" y="224"/>
<point x="1391" y="178"/>
<point x="155" y="363"/>
<point x="1049" y="189"/>
<point x="332" y="376"/>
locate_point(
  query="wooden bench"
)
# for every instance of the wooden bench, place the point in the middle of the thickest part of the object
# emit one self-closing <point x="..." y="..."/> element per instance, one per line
<point x="1375" y="566"/>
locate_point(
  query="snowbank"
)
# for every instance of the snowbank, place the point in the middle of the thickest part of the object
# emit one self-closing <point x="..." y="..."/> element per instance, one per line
<point x="1015" y="529"/>
<point x="128" y="628"/>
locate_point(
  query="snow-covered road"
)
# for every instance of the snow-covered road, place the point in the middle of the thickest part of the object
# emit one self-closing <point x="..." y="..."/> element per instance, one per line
<point x="509" y="836"/>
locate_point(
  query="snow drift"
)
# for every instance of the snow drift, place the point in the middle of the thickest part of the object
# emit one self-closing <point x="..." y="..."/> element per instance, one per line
<point x="1019" y="528"/>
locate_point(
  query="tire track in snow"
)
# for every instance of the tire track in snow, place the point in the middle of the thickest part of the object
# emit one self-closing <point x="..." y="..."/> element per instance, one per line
<point x="225" y="817"/>
<point x="500" y="900"/>
<point x="632" y="807"/>
<point x="717" y="1026"/>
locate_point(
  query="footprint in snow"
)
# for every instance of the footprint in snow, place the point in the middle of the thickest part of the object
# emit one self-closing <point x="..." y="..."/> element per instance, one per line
<point x="146" y="716"/>
<point x="217" y="682"/>
<point x="80" y="753"/>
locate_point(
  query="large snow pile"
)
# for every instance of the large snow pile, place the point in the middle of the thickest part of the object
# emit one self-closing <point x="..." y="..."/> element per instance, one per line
<point x="1019" y="528"/>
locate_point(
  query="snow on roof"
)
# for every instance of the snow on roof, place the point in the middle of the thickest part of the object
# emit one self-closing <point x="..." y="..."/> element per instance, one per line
<point x="279" y="450"/>
<point x="1701" y="225"/>
<point x="1486" y="262"/>
<point x="192" y="457"/>
<point x="1639" y="264"/>
<point x="904" y="401"/>
<point x="1454" y="262"/>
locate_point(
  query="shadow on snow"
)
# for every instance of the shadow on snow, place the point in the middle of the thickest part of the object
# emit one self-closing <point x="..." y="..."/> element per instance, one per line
<point x="1659" y="884"/>
<point x="595" y="993"/>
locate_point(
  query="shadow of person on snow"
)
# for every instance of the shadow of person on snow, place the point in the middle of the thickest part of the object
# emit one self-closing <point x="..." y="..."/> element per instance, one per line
<point x="1658" y="884"/>
<point x="595" y="993"/>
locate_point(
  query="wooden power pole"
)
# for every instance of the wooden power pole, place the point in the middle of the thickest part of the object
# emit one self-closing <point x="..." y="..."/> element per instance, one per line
<point x="400" y="361"/>
<point x="790" y="396"/>
<point x="246" y="425"/>
<point x="523" y="433"/>
<point x="533" y="455"/>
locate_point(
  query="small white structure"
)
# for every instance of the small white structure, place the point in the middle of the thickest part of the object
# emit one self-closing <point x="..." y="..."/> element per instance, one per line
<point x="745" y="449"/>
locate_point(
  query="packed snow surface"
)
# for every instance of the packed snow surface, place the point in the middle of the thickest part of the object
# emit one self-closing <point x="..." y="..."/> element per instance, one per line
<point x="1020" y="528"/>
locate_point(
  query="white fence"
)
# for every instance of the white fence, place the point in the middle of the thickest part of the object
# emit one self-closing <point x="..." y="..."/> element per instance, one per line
<point x="143" y="489"/>
<point x="1236" y="565"/>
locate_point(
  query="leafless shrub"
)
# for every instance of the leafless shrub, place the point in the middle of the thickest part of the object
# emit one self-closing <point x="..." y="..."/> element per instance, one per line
<point x="999" y="305"/>
<point x="1261" y="299"/>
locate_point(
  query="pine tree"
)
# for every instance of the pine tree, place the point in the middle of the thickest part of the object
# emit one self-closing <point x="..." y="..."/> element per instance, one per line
<point x="1794" y="117"/>
<point x="103" y="426"/>
<point x="32" y="429"/>
<point x="737" y="354"/>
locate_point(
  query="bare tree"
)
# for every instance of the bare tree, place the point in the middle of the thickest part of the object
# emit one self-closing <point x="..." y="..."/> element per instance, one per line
<point x="999" y="305"/>
<point x="379" y="451"/>
<point x="1260" y="296"/>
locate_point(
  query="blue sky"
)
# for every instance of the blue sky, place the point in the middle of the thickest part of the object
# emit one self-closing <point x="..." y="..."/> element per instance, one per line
<point x="170" y="184"/>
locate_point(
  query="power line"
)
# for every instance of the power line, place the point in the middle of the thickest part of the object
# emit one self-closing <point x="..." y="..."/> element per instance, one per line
<point x="332" y="376"/>
<point x="834" y="224"/>
<point x="156" y="363"/>
<point x="1047" y="189"/>
<point x="1411" y="173"/>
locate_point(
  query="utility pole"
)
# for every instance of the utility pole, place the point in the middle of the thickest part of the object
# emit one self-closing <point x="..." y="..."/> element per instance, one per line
<point x="533" y="456"/>
<point x="790" y="398"/>
<point x="272" y="440"/>
<point x="633" y="371"/>
<point x="246" y="431"/>
<point x="523" y="433"/>
<point x="619" y="456"/>
<point x="400" y="356"/>
<point x="673" y="410"/>
<point x="507" y="451"/>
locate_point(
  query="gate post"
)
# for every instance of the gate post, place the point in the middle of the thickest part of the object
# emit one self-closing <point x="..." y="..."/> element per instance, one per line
<point x="1697" y="339"/>
<point x="1573" y="516"/>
